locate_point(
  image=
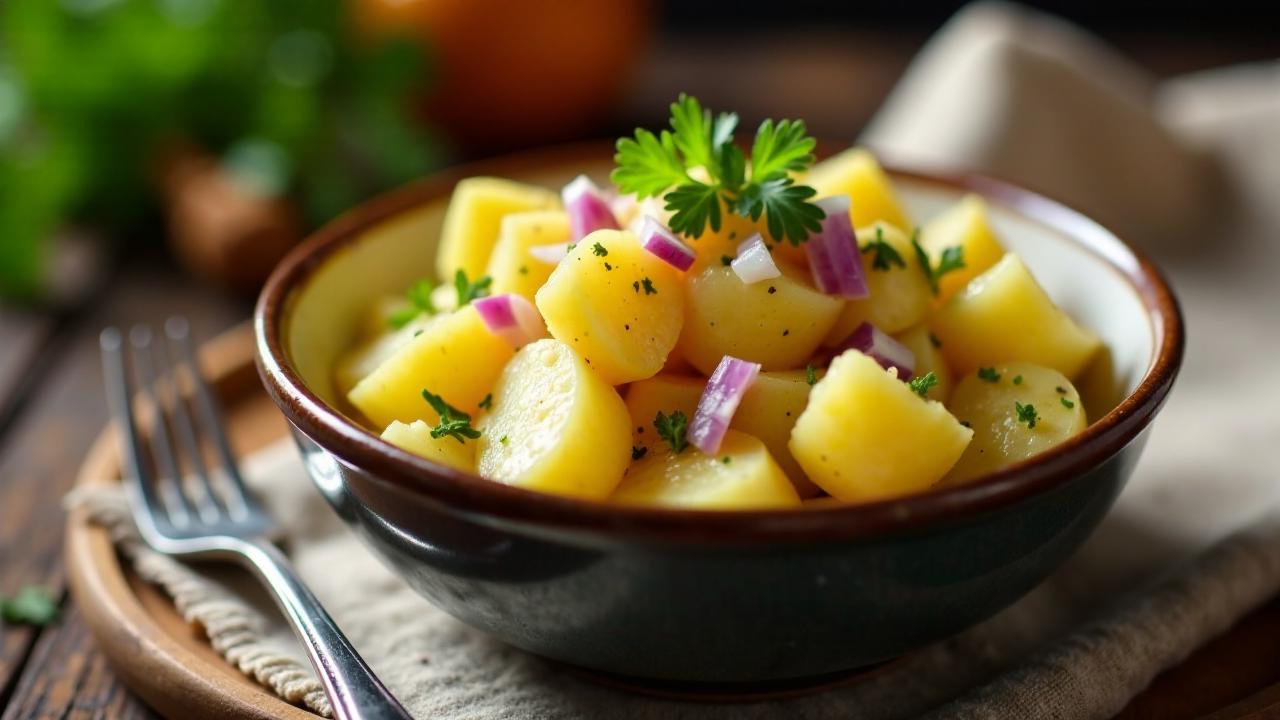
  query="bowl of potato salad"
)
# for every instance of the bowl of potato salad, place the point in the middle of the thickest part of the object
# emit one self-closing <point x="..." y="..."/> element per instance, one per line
<point x="728" y="412"/>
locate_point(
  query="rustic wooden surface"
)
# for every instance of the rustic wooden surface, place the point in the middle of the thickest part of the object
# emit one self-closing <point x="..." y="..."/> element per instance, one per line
<point x="51" y="404"/>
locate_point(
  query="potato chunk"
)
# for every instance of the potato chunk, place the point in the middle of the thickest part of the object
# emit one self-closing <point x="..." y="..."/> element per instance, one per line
<point x="661" y="393"/>
<point x="900" y="295"/>
<point x="556" y="426"/>
<point x="357" y="363"/>
<point x="856" y="173"/>
<point x="1001" y="435"/>
<point x="769" y="409"/>
<point x="616" y="304"/>
<point x="474" y="216"/>
<point x="455" y="356"/>
<point x="511" y="266"/>
<point x="1004" y="315"/>
<point x="416" y="438"/>
<point x="742" y="475"/>
<point x="966" y="225"/>
<point x="777" y="323"/>
<point x="929" y="359"/>
<point x="866" y="436"/>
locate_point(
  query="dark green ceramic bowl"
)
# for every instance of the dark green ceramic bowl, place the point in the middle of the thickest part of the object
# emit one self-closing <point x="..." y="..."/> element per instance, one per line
<point x="716" y="597"/>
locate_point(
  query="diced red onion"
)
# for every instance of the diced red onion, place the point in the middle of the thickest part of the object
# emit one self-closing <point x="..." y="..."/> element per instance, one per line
<point x="512" y="318"/>
<point x="549" y="254"/>
<point x="731" y="380"/>
<point x="754" y="261"/>
<point x="833" y="252"/>
<point x="883" y="348"/>
<point x="588" y="208"/>
<point x="657" y="239"/>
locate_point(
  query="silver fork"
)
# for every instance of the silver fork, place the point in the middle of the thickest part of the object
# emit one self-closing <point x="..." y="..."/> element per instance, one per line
<point x="203" y="515"/>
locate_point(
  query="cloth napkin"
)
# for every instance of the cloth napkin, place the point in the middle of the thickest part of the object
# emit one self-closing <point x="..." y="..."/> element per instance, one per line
<point x="1189" y="169"/>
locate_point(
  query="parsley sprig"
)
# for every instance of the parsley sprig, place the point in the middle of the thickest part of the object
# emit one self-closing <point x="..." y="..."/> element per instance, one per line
<point x="885" y="254"/>
<point x="652" y="165"/>
<point x="453" y="422"/>
<point x="923" y="384"/>
<point x="673" y="429"/>
<point x="1026" y="414"/>
<point x="468" y="290"/>
<point x="419" y="295"/>
<point x="952" y="259"/>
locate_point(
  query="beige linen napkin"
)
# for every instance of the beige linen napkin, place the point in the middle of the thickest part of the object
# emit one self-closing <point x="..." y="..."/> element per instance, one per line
<point x="1097" y="631"/>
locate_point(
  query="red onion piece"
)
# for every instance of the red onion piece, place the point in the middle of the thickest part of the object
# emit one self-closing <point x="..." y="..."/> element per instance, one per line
<point x="549" y="254"/>
<point x="731" y="380"/>
<point x="512" y="318"/>
<point x="833" y="252"/>
<point x="588" y="208"/>
<point x="883" y="348"/>
<point x="657" y="239"/>
<point x="754" y="261"/>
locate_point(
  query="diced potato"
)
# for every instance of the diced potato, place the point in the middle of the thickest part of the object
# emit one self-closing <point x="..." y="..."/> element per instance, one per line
<point x="455" y="356"/>
<point x="856" y="173"/>
<point x="661" y="393"/>
<point x="769" y="409"/>
<point x="377" y="320"/>
<point x="556" y="426"/>
<point x="742" y="475"/>
<point x="616" y="304"/>
<point x="472" y="221"/>
<point x="990" y="407"/>
<point x="929" y="359"/>
<point x="900" y="295"/>
<point x="777" y="323"/>
<point x="866" y="436"/>
<point x="416" y="438"/>
<point x="1004" y="315"/>
<point x="511" y="266"/>
<point x="357" y="363"/>
<point x="967" y="225"/>
<point x="714" y="247"/>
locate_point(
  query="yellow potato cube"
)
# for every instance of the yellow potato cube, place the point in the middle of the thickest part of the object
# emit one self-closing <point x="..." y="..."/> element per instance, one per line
<point x="741" y="476"/>
<point x="777" y="323"/>
<point x="455" y="356"/>
<point x="1004" y="315"/>
<point x="856" y="173"/>
<point x="473" y="219"/>
<point x="966" y="225"/>
<point x="768" y="410"/>
<point x="661" y="393"/>
<point x="511" y="266"/>
<point x="616" y="304"/>
<point x="416" y="438"/>
<point x="556" y="426"/>
<point x="1004" y="434"/>
<point x="900" y="294"/>
<point x="929" y="359"/>
<point x="866" y="436"/>
<point x="357" y="363"/>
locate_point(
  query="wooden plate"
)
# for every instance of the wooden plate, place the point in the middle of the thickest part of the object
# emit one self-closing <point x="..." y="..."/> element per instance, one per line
<point x="155" y="652"/>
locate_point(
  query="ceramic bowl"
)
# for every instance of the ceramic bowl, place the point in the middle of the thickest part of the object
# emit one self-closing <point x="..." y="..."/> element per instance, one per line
<point x="715" y="597"/>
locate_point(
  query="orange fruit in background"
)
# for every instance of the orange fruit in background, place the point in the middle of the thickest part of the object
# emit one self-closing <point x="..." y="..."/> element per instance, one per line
<point x="517" y="72"/>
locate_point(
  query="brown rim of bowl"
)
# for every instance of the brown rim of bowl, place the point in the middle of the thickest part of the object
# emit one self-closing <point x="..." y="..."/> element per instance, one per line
<point x="495" y="502"/>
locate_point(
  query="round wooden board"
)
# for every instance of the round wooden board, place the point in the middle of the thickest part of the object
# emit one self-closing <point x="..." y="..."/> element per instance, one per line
<point x="160" y="656"/>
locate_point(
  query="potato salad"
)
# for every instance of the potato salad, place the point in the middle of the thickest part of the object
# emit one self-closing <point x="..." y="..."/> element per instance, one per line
<point x="719" y="326"/>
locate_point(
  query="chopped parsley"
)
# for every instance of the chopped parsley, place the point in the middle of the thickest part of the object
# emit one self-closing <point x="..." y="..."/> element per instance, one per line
<point x="636" y="286"/>
<point x="524" y="269"/>
<point x="453" y="422"/>
<point x="1026" y="414"/>
<point x="638" y="451"/>
<point x="487" y="402"/>
<point x="649" y="289"/>
<point x="989" y="374"/>
<point x="652" y="165"/>
<point x="810" y="374"/>
<point x="923" y="384"/>
<point x="725" y="260"/>
<point x="31" y="606"/>
<point x="885" y="254"/>
<point x="467" y="290"/>
<point x="503" y="439"/>
<point x="599" y="250"/>
<point x="1067" y="403"/>
<point x="952" y="259"/>
<point x="1017" y="379"/>
<point x="419" y="295"/>
<point x="726" y="459"/>
<point x="672" y="428"/>
<point x="1061" y="390"/>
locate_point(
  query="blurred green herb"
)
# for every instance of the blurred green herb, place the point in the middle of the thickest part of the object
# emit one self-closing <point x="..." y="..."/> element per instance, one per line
<point x="31" y="606"/>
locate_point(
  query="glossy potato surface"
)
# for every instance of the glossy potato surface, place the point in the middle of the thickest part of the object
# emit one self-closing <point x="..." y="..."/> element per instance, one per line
<point x="474" y="217"/>
<point x="929" y="359"/>
<point x="511" y="267"/>
<point x="967" y="225"/>
<point x="661" y="393"/>
<point x="768" y="411"/>
<point x="416" y="438"/>
<point x="856" y="173"/>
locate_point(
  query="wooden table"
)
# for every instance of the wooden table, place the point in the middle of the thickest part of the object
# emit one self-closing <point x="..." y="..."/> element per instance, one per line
<point x="51" y="403"/>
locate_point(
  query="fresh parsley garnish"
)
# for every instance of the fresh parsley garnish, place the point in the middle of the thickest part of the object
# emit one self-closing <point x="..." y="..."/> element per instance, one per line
<point x="638" y="451"/>
<point x="419" y="295"/>
<point x="1026" y="414"/>
<point x="487" y="402"/>
<point x="649" y="289"/>
<point x="1061" y="390"/>
<point x="467" y="290"/>
<point x="885" y="254"/>
<point x="952" y="259"/>
<point x="503" y="440"/>
<point x="453" y="422"/>
<point x="672" y="429"/>
<point x="1017" y="379"/>
<point x="599" y="250"/>
<point x="1067" y="403"/>
<point x="31" y="606"/>
<point x="810" y="374"/>
<point x="923" y="384"/>
<point x="989" y="374"/>
<point x="652" y="165"/>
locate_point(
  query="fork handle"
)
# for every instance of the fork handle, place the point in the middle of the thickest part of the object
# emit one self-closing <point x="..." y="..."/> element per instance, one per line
<point x="354" y="691"/>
